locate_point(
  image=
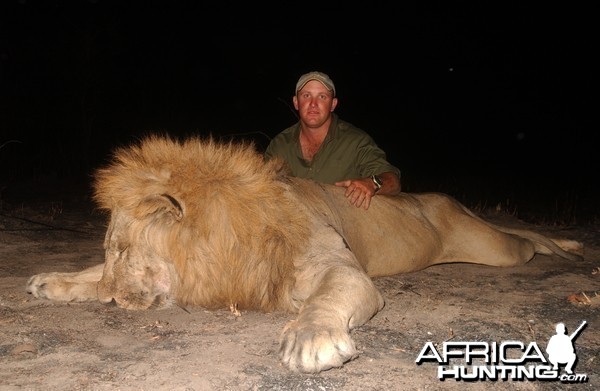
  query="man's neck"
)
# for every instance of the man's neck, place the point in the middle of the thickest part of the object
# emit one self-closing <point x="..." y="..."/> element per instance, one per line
<point x="315" y="135"/>
<point x="311" y="139"/>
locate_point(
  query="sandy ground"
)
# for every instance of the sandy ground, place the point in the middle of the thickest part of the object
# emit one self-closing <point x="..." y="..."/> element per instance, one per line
<point x="88" y="346"/>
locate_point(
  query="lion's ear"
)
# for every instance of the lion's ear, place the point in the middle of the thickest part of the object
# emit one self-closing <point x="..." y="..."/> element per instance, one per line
<point x="158" y="204"/>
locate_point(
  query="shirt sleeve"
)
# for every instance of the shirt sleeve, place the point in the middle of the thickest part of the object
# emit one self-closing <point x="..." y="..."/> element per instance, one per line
<point x="270" y="151"/>
<point x="372" y="159"/>
<point x="281" y="145"/>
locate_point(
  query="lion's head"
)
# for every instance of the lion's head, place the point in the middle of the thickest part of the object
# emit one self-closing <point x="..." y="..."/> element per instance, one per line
<point x="136" y="275"/>
<point x="179" y="230"/>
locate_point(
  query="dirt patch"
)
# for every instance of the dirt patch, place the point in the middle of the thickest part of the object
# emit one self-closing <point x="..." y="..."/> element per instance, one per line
<point x="88" y="346"/>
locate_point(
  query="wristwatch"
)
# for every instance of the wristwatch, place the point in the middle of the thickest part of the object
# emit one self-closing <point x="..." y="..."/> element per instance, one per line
<point x="377" y="181"/>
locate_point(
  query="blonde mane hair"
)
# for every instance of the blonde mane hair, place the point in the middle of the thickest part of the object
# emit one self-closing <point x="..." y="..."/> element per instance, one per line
<point x="216" y="211"/>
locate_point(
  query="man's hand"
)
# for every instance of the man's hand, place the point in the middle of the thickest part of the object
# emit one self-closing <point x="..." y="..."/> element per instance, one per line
<point x="359" y="191"/>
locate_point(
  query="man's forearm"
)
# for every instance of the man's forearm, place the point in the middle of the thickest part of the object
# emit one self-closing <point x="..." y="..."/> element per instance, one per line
<point x="390" y="184"/>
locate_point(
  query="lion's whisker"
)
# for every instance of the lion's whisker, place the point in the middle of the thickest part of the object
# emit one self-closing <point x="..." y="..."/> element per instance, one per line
<point x="183" y="308"/>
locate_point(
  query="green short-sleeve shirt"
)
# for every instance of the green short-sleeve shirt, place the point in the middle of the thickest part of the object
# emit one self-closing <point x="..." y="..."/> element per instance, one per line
<point x="346" y="153"/>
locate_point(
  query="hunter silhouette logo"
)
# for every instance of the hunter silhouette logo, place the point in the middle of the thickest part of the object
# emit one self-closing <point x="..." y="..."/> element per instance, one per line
<point x="560" y="348"/>
<point x="508" y="360"/>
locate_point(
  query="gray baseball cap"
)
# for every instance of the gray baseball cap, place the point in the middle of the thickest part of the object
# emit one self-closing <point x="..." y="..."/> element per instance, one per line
<point x="318" y="76"/>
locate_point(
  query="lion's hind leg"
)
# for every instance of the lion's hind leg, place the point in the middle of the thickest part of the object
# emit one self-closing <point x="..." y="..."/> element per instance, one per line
<point x="568" y="249"/>
<point x="78" y="286"/>
<point x="469" y="238"/>
<point x="475" y="241"/>
<point x="501" y="246"/>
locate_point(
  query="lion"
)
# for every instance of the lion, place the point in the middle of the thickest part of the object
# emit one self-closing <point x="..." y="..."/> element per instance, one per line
<point x="199" y="222"/>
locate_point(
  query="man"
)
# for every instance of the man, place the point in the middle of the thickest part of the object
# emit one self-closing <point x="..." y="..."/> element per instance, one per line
<point x="322" y="147"/>
<point x="560" y="348"/>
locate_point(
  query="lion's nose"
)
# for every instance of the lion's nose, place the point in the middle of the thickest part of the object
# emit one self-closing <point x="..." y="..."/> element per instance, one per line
<point x="106" y="299"/>
<point x="111" y="303"/>
<point x="105" y="292"/>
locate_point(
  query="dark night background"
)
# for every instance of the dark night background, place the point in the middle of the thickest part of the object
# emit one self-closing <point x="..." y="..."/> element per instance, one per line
<point x="487" y="102"/>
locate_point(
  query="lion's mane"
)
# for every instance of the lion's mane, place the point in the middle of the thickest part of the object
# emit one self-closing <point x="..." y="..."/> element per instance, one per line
<point x="239" y="229"/>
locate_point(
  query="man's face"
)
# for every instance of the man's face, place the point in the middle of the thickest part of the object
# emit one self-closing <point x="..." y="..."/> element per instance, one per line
<point x="314" y="103"/>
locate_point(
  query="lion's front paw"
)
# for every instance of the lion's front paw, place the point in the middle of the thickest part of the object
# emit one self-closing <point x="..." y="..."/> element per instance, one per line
<point x="312" y="349"/>
<point x="60" y="287"/>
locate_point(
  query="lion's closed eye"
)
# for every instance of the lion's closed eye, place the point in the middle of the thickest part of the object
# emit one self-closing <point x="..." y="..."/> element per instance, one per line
<point x="118" y="251"/>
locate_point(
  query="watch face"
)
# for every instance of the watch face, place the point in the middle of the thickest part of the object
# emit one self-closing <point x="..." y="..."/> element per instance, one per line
<point x="377" y="181"/>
